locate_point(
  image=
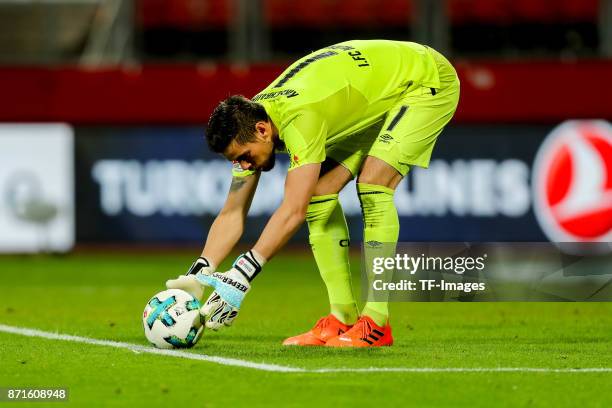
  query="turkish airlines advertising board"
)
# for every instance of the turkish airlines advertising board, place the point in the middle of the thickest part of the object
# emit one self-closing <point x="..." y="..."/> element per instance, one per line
<point x="572" y="182"/>
<point x="484" y="183"/>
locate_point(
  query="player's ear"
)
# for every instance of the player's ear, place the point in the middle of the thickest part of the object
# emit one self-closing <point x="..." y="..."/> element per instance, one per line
<point x="261" y="130"/>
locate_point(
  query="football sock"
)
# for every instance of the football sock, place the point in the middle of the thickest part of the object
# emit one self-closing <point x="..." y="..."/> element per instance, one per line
<point x="329" y="240"/>
<point x="380" y="234"/>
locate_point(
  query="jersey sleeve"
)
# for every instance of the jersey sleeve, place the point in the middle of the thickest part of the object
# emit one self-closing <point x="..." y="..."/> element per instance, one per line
<point x="237" y="171"/>
<point x="305" y="139"/>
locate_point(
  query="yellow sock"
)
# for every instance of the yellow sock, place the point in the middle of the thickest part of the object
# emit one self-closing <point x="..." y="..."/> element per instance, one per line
<point x="329" y="240"/>
<point x="380" y="225"/>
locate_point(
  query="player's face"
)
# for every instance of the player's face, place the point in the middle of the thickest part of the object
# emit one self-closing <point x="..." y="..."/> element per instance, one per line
<point x="256" y="155"/>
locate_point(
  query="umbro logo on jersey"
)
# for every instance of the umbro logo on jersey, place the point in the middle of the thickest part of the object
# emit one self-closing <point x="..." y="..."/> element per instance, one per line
<point x="374" y="244"/>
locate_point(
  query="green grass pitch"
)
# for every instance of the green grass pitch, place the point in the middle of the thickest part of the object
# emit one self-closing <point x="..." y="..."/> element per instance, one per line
<point x="101" y="295"/>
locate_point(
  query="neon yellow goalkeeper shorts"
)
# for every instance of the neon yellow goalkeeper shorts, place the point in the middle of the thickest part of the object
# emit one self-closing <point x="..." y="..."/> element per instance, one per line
<point x="407" y="134"/>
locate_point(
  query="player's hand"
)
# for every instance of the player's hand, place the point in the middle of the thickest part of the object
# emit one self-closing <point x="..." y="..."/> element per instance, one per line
<point x="218" y="313"/>
<point x="188" y="282"/>
<point x="222" y="306"/>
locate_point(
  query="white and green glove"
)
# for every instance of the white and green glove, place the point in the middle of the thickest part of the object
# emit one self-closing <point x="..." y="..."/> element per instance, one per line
<point x="230" y="288"/>
<point x="188" y="282"/>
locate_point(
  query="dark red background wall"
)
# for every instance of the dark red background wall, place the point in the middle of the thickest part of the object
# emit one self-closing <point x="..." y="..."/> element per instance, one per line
<point x="534" y="92"/>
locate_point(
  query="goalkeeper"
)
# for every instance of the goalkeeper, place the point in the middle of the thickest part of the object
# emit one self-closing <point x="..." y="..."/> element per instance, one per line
<point x="364" y="109"/>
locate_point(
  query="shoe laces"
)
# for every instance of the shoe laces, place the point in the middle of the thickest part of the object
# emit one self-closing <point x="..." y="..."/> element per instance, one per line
<point x="364" y="328"/>
<point x="322" y="323"/>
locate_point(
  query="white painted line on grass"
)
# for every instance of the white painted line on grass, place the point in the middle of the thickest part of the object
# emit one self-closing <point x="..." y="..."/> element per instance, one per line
<point x="462" y="370"/>
<point x="137" y="348"/>
<point x="234" y="362"/>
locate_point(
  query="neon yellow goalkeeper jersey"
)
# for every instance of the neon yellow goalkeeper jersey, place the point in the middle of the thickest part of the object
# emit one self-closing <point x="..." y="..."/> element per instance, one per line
<point x="340" y="90"/>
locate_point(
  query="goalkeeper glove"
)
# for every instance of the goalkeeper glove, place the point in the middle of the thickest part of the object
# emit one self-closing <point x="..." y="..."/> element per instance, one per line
<point x="188" y="282"/>
<point x="231" y="287"/>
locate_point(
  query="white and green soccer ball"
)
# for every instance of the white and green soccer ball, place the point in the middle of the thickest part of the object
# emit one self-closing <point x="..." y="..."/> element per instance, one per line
<point x="172" y="319"/>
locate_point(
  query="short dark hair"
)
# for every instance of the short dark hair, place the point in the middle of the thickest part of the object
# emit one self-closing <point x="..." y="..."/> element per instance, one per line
<point x="233" y="118"/>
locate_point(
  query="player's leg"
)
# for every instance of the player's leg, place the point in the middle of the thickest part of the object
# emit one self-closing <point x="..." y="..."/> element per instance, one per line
<point x="407" y="138"/>
<point x="329" y="236"/>
<point x="375" y="188"/>
<point x="329" y="241"/>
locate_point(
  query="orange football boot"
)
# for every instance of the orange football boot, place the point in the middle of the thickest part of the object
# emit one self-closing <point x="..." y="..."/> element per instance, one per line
<point x="326" y="328"/>
<point x="365" y="333"/>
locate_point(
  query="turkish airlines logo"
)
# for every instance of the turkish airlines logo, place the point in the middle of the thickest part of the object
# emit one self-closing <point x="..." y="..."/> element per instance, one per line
<point x="572" y="182"/>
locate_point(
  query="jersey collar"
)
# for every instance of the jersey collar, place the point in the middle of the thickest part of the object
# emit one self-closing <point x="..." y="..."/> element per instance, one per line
<point x="273" y="114"/>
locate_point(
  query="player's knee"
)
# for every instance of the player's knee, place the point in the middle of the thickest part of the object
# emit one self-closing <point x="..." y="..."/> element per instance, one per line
<point x="376" y="202"/>
<point x="377" y="172"/>
<point x="326" y="220"/>
<point x="320" y="210"/>
<point x="389" y="180"/>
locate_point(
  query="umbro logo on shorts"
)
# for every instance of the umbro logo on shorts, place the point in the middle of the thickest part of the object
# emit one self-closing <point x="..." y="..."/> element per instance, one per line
<point x="385" y="138"/>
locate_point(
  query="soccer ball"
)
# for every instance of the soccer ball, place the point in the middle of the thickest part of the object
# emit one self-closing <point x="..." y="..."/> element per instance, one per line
<point x="172" y="319"/>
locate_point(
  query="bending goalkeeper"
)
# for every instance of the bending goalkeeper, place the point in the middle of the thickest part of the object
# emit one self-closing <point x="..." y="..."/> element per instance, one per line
<point x="360" y="109"/>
